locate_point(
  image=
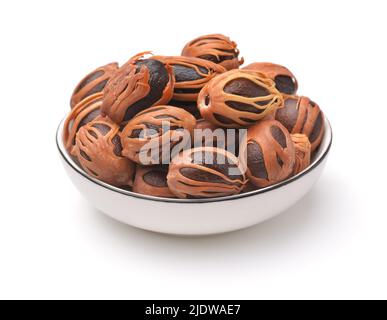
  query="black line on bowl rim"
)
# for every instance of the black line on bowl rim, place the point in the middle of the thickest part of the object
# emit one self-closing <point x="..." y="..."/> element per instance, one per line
<point x="65" y="156"/>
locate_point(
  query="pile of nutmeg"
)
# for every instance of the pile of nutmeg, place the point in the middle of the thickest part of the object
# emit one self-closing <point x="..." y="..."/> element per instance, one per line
<point x="126" y="122"/>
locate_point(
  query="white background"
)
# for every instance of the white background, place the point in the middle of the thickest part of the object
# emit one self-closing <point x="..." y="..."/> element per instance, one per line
<point x="332" y="244"/>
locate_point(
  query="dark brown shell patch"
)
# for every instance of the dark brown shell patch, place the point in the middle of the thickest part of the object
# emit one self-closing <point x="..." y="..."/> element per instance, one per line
<point x="117" y="145"/>
<point x="184" y="73"/>
<point x="255" y="160"/>
<point x="156" y="178"/>
<point x="285" y="84"/>
<point x="279" y="136"/>
<point x="246" y="88"/>
<point x="201" y="175"/>
<point x="316" y="128"/>
<point x="240" y="106"/>
<point x="223" y="119"/>
<point x="288" y="114"/>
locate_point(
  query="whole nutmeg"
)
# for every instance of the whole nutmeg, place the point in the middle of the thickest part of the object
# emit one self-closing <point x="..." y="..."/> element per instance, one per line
<point x="285" y="81"/>
<point x="98" y="150"/>
<point x="205" y="172"/>
<point x="93" y="83"/>
<point x="137" y="85"/>
<point x="191" y="74"/>
<point x="269" y="154"/>
<point x="85" y="111"/>
<point x="151" y="135"/>
<point x="302" y="115"/>
<point x="152" y="181"/>
<point x="238" y="98"/>
<point x="216" y="48"/>
<point x="303" y="151"/>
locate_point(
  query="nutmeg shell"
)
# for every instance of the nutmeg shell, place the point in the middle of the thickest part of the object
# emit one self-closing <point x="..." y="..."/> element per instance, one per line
<point x="216" y="48"/>
<point x="150" y="136"/>
<point x="98" y="150"/>
<point x="302" y="115"/>
<point x="205" y="172"/>
<point x="93" y="83"/>
<point x="284" y="79"/>
<point x="269" y="153"/>
<point x="152" y="181"/>
<point x="137" y="85"/>
<point x="85" y="111"/>
<point x="238" y="98"/>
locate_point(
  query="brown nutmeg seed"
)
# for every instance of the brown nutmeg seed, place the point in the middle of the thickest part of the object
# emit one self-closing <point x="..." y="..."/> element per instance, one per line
<point x="285" y="81"/>
<point x="98" y="150"/>
<point x="205" y="172"/>
<point x="269" y="154"/>
<point x="216" y="48"/>
<point x="238" y="98"/>
<point x="151" y="135"/>
<point x="137" y="85"/>
<point x="93" y="83"/>
<point x="152" y="181"/>
<point x="302" y="115"/>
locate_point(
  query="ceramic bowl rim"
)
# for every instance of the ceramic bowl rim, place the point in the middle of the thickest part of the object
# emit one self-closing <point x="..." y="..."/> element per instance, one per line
<point x="62" y="151"/>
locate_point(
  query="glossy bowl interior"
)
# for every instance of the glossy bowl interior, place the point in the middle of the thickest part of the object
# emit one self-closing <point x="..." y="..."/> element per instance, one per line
<point x="196" y="216"/>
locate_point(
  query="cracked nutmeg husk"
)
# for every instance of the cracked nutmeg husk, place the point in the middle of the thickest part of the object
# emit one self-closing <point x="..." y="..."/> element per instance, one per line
<point x="93" y="83"/>
<point x="139" y="84"/>
<point x="151" y="135"/>
<point x="269" y="154"/>
<point x="85" y="111"/>
<point x="98" y="151"/>
<point x="152" y="181"/>
<point x="303" y="152"/>
<point x="285" y="81"/>
<point x="205" y="172"/>
<point x="238" y="98"/>
<point x="302" y="115"/>
<point x="216" y="48"/>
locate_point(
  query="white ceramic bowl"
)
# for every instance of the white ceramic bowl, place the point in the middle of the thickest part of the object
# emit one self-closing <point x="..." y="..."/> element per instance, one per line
<point x="196" y="216"/>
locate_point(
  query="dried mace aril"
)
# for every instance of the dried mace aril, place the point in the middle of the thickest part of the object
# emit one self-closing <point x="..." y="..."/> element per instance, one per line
<point x="191" y="74"/>
<point x="93" y="83"/>
<point x="216" y="48"/>
<point x="285" y="81"/>
<point x="303" y="150"/>
<point x="269" y="153"/>
<point x="149" y="137"/>
<point x="137" y="85"/>
<point x="152" y="181"/>
<point x="98" y="150"/>
<point x="302" y="115"/>
<point x="84" y="112"/>
<point x="238" y="98"/>
<point x="205" y="172"/>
